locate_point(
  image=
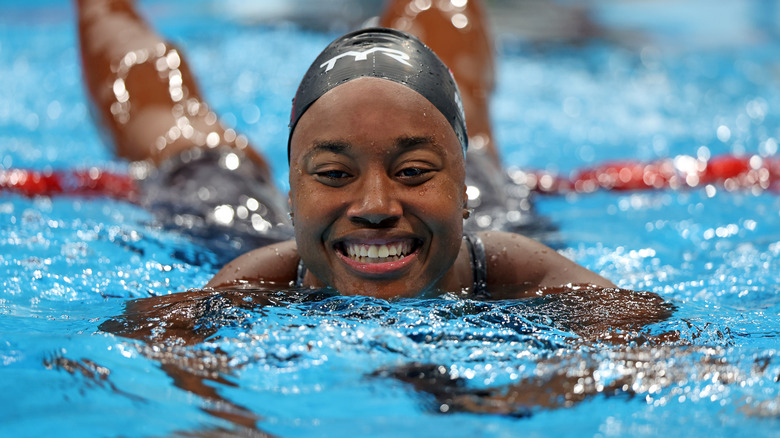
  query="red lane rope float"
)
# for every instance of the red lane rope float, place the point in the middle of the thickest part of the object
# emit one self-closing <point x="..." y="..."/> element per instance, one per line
<point x="730" y="172"/>
<point x="91" y="182"/>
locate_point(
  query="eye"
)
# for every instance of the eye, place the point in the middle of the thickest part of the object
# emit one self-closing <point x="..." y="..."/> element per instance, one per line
<point x="333" y="174"/>
<point x="414" y="175"/>
<point x="410" y="172"/>
<point x="333" y="177"/>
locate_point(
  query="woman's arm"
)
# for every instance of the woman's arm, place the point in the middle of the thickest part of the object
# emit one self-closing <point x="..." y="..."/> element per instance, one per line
<point x="581" y="300"/>
<point x="249" y="281"/>
<point x="273" y="266"/>
<point x="519" y="267"/>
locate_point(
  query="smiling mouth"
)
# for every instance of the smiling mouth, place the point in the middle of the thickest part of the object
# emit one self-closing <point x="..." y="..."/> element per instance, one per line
<point x="378" y="253"/>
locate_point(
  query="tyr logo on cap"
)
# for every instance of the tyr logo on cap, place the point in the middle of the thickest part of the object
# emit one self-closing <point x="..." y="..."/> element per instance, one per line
<point x="362" y="56"/>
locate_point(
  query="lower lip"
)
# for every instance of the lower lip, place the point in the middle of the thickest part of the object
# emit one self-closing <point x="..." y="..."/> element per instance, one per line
<point x="378" y="268"/>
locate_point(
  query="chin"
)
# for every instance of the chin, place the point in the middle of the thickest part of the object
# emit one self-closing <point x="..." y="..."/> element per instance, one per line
<point x="382" y="291"/>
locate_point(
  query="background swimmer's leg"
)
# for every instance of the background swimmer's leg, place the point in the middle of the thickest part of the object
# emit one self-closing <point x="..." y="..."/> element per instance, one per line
<point x="460" y="35"/>
<point x="143" y="89"/>
<point x="149" y="103"/>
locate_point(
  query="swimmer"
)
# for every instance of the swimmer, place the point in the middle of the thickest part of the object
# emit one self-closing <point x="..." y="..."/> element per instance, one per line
<point x="379" y="155"/>
<point x="378" y="196"/>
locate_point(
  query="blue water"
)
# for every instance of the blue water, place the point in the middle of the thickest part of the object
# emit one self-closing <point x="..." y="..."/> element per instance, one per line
<point x="673" y="84"/>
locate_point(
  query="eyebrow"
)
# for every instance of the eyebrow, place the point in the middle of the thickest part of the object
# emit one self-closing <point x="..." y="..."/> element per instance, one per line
<point x="340" y="147"/>
<point x="415" y="141"/>
<point x="333" y="146"/>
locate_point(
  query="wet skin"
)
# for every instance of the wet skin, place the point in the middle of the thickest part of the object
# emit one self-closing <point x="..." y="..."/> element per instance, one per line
<point x="375" y="164"/>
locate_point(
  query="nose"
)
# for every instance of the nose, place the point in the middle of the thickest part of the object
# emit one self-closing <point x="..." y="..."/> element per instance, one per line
<point x="375" y="203"/>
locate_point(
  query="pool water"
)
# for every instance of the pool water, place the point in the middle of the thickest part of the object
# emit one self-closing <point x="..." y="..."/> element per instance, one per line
<point x="665" y="81"/>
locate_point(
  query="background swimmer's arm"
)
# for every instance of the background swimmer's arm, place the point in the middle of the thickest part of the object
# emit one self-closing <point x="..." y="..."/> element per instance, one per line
<point x="521" y="266"/>
<point x="273" y="266"/>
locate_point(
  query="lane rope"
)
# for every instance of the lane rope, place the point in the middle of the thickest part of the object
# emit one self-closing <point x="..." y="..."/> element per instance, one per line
<point x="728" y="172"/>
<point x="90" y="182"/>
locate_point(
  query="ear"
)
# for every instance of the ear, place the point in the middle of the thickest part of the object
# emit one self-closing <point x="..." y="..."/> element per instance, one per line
<point x="465" y="197"/>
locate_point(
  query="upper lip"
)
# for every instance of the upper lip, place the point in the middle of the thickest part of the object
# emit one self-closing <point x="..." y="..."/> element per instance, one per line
<point x="374" y="238"/>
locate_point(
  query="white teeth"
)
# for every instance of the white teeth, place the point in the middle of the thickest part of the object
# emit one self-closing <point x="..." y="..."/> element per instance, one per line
<point x="378" y="253"/>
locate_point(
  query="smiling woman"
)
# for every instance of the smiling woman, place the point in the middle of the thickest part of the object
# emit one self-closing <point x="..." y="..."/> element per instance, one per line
<point x="377" y="159"/>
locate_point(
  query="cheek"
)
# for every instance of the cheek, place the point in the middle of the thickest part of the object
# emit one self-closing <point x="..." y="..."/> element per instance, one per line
<point x="452" y="207"/>
<point x="302" y="196"/>
<point x="445" y="199"/>
<point x="314" y="208"/>
<point x="442" y="210"/>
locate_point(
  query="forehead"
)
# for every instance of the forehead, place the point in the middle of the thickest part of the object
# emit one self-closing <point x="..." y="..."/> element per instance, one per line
<point x="370" y="110"/>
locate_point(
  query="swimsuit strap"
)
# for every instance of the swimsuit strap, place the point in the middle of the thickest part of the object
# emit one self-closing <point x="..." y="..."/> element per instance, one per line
<point x="478" y="265"/>
<point x="300" y="274"/>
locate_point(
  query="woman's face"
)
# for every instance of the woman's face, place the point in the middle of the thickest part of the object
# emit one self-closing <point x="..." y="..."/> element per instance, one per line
<point x="377" y="190"/>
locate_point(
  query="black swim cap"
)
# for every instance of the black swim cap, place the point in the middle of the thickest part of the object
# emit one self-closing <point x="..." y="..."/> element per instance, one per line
<point x="387" y="54"/>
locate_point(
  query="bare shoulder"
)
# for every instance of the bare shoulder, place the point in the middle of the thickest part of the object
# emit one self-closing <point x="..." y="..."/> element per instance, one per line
<point x="272" y="265"/>
<point x="521" y="264"/>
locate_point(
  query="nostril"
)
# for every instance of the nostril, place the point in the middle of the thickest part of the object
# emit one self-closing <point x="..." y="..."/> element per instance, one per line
<point x="375" y="222"/>
<point x="375" y="211"/>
